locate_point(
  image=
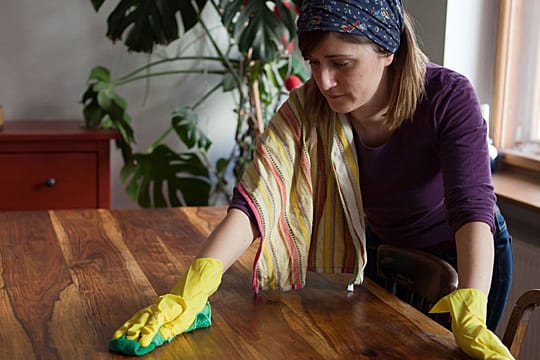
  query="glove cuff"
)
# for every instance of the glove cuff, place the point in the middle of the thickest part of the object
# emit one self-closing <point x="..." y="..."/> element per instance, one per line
<point x="468" y="300"/>
<point x="202" y="279"/>
<point x="475" y="300"/>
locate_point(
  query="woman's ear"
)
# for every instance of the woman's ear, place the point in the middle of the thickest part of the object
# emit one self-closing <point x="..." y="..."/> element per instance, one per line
<point x="389" y="58"/>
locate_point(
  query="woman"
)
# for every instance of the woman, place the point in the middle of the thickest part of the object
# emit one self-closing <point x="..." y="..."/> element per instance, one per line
<point x="378" y="142"/>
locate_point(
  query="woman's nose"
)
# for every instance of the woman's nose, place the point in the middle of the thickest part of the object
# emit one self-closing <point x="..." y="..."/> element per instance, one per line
<point x="326" y="79"/>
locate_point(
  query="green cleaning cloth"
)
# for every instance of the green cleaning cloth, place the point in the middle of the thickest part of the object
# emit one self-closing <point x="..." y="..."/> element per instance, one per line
<point x="132" y="347"/>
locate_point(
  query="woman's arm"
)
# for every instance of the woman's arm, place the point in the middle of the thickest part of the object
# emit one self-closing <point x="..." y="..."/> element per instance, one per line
<point x="475" y="254"/>
<point x="230" y="239"/>
<point x="467" y="305"/>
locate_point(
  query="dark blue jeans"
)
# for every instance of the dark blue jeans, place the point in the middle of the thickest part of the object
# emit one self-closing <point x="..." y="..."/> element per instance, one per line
<point x="502" y="267"/>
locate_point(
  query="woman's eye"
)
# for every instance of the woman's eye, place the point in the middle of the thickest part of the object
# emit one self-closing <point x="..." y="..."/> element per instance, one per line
<point x="341" y="64"/>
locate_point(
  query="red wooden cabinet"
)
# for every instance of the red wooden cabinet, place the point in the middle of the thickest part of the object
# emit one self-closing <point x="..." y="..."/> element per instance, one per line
<point x="54" y="165"/>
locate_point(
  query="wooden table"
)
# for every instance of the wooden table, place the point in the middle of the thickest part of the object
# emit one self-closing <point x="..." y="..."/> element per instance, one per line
<point x="68" y="278"/>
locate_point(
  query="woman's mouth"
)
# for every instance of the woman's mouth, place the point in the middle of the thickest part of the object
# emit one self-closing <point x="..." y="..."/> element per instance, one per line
<point x="334" y="96"/>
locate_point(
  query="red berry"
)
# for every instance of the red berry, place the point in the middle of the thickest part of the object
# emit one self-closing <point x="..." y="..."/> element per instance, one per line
<point x="292" y="82"/>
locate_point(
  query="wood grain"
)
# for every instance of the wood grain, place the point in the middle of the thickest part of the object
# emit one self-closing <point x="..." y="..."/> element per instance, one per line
<point x="69" y="278"/>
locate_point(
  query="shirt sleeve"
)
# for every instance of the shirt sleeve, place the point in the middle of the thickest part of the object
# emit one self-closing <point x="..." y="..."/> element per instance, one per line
<point x="239" y="202"/>
<point x="464" y="157"/>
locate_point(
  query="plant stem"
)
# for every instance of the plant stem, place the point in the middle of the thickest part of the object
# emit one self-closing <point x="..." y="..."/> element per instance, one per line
<point x="255" y="99"/>
<point x="160" y="139"/>
<point x="163" y="61"/>
<point x="171" y="72"/>
<point x="206" y="96"/>
<point x="225" y="60"/>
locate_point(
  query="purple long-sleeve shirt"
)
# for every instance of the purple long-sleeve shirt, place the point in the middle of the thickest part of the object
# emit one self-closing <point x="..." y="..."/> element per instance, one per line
<point x="432" y="175"/>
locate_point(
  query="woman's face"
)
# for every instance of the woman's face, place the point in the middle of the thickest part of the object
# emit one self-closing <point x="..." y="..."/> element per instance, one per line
<point x="352" y="77"/>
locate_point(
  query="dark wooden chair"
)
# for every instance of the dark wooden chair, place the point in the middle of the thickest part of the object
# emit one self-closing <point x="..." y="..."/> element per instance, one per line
<point x="416" y="277"/>
<point x="519" y="318"/>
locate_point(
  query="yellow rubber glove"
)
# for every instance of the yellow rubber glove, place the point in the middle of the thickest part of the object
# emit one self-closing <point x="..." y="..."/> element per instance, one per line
<point x="468" y="308"/>
<point x="173" y="313"/>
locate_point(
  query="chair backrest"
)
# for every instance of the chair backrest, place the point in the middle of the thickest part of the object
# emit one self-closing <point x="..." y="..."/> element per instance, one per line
<point x="417" y="277"/>
<point x="517" y="324"/>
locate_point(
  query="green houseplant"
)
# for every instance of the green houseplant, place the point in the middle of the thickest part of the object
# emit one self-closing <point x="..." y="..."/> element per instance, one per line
<point x="254" y="63"/>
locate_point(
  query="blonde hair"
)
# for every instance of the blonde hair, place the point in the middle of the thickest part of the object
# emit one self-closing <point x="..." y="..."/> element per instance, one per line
<point x="407" y="73"/>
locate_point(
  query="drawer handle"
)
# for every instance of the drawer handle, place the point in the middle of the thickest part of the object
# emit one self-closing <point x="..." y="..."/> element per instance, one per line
<point x="50" y="182"/>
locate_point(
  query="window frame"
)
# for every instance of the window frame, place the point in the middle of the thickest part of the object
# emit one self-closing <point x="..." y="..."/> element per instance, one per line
<point x="502" y="79"/>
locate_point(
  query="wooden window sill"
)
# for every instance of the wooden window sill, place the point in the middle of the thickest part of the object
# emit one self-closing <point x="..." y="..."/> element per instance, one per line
<point x="517" y="188"/>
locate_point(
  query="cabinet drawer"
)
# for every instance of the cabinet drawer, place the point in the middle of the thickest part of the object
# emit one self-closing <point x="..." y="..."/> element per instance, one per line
<point x="32" y="181"/>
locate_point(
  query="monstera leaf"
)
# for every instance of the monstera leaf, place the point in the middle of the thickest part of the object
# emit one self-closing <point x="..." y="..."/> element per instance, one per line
<point x="103" y="107"/>
<point x="185" y="123"/>
<point x="255" y="26"/>
<point x="150" y="22"/>
<point x="182" y="177"/>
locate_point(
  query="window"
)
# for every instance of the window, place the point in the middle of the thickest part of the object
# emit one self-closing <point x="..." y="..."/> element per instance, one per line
<point x="516" y="101"/>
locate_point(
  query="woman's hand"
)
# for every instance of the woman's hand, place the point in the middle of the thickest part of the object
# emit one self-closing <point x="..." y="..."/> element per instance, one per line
<point x="468" y="309"/>
<point x="184" y="309"/>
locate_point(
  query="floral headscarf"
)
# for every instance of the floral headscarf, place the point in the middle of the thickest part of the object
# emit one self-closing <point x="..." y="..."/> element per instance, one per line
<point x="379" y="20"/>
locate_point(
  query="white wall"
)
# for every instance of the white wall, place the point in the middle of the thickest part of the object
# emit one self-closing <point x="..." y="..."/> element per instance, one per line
<point x="48" y="49"/>
<point x="461" y="35"/>
<point x="470" y="42"/>
<point x="430" y="25"/>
